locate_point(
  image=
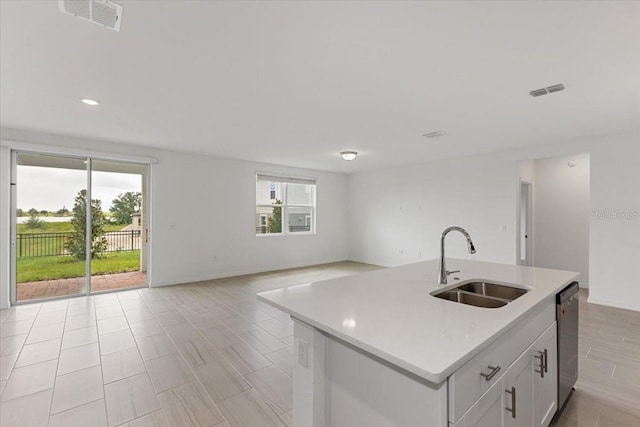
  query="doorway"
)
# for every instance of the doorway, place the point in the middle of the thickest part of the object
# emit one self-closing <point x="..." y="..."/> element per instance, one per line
<point x="553" y="213"/>
<point x="526" y="222"/>
<point x="78" y="226"/>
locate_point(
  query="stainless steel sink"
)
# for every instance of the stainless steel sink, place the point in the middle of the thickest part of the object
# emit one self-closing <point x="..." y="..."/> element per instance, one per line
<point x="493" y="290"/>
<point x="470" y="299"/>
<point x="481" y="294"/>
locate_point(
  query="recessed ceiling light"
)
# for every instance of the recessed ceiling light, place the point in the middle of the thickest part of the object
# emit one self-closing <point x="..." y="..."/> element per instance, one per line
<point x="91" y="102"/>
<point x="348" y="155"/>
<point x="433" y="134"/>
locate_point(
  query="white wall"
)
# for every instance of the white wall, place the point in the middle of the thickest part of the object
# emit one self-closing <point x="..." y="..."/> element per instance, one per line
<point x="405" y="209"/>
<point x="561" y="214"/>
<point x="614" y="243"/>
<point x="218" y="197"/>
<point x="396" y="215"/>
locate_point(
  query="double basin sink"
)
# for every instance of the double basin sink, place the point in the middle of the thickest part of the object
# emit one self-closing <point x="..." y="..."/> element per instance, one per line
<point x="481" y="294"/>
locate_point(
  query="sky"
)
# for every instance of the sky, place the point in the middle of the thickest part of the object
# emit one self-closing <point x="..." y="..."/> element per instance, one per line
<point x="50" y="188"/>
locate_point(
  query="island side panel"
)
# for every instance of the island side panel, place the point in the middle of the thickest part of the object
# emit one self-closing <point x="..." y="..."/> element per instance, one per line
<point x="344" y="386"/>
<point x="309" y="389"/>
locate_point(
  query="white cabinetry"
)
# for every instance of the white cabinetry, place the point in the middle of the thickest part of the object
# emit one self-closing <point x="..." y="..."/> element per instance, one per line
<point x="488" y="410"/>
<point x="531" y="384"/>
<point x="522" y="395"/>
<point x="519" y="394"/>
<point x="341" y="385"/>
<point x="545" y="385"/>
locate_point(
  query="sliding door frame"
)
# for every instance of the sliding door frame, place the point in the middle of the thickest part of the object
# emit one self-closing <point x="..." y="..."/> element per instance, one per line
<point x="13" y="228"/>
<point x="88" y="157"/>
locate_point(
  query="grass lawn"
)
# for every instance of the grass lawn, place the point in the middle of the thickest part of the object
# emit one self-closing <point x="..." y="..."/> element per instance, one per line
<point x="34" y="269"/>
<point x="61" y="227"/>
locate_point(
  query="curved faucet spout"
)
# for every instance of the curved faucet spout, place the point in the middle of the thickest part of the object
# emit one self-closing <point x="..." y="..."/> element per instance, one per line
<point x="443" y="273"/>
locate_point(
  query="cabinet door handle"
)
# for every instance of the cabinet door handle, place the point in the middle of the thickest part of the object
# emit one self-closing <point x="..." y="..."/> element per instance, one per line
<point x="494" y="371"/>
<point x="512" y="392"/>
<point x="542" y="370"/>
<point x="546" y="361"/>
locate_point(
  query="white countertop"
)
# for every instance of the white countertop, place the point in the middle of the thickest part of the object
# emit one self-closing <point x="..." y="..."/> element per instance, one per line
<point x="391" y="314"/>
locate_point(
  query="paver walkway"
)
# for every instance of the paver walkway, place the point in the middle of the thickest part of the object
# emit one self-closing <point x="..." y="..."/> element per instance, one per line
<point x="61" y="287"/>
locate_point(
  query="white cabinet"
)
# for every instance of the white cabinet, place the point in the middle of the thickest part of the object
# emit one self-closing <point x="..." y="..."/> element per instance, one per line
<point x="531" y="384"/>
<point x="519" y="392"/>
<point x="545" y="379"/>
<point x="488" y="410"/>
<point x="341" y="385"/>
<point x="524" y="395"/>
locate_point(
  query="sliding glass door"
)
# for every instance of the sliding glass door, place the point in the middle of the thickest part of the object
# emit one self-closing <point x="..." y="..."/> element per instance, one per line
<point x="119" y="187"/>
<point x="78" y="226"/>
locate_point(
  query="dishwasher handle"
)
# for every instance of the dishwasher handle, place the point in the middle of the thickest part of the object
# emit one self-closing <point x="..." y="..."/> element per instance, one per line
<point x="568" y="294"/>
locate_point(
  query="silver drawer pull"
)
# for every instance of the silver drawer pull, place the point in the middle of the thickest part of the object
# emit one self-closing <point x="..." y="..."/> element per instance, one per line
<point x="544" y="362"/>
<point x="494" y="371"/>
<point x="540" y="356"/>
<point x="512" y="392"/>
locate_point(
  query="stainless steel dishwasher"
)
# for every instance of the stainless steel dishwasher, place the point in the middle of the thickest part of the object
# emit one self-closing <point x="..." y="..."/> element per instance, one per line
<point x="567" y="317"/>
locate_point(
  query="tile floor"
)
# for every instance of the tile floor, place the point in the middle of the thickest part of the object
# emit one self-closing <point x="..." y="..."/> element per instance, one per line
<point x="210" y="354"/>
<point x="202" y="354"/>
<point x="608" y="389"/>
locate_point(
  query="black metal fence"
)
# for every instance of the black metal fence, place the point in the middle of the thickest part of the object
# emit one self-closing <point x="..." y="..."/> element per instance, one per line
<point x="53" y="244"/>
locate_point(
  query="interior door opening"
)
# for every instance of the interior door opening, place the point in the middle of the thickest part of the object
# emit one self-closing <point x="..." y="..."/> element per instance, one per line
<point x="526" y="213"/>
<point x="553" y="213"/>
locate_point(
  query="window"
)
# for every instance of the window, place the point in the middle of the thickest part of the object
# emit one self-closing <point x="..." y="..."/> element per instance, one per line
<point x="272" y="190"/>
<point x="285" y="205"/>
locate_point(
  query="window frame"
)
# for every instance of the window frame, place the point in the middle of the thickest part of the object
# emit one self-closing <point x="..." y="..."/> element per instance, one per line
<point x="284" y="182"/>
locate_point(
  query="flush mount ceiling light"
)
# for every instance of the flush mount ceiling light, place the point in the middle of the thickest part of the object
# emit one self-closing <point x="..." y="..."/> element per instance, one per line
<point x="91" y="102"/>
<point x="546" y="90"/>
<point x="434" y="134"/>
<point x="348" y="155"/>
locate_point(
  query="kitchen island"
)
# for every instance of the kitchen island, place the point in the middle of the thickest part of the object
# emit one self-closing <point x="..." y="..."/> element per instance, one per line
<point x="378" y="349"/>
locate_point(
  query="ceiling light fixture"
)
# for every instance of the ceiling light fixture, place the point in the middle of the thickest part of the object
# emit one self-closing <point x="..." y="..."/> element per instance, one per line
<point x="348" y="155"/>
<point x="91" y="102"/>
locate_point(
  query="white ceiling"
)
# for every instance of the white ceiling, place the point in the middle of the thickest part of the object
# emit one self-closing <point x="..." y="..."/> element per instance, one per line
<point x="296" y="82"/>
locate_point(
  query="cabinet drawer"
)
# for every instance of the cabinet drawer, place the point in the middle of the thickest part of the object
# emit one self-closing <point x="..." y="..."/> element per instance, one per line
<point x="468" y="383"/>
<point x="487" y="411"/>
<point x="530" y="328"/>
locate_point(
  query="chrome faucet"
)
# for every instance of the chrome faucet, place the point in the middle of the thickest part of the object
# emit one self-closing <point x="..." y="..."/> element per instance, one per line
<point x="443" y="273"/>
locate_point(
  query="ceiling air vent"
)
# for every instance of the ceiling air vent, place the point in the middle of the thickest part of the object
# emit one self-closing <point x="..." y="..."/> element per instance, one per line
<point x="538" y="92"/>
<point x="555" y="88"/>
<point x="434" y="134"/>
<point x="101" y="12"/>
<point x="546" y="90"/>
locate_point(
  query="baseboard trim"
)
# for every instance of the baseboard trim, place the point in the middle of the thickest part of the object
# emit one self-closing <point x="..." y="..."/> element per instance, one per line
<point x="228" y="274"/>
<point x="616" y="304"/>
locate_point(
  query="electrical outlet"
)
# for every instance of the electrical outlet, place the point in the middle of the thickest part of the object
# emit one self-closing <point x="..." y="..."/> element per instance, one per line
<point x="303" y="353"/>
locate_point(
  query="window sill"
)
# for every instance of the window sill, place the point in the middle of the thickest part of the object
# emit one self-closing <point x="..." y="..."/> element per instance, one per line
<point x="310" y="233"/>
